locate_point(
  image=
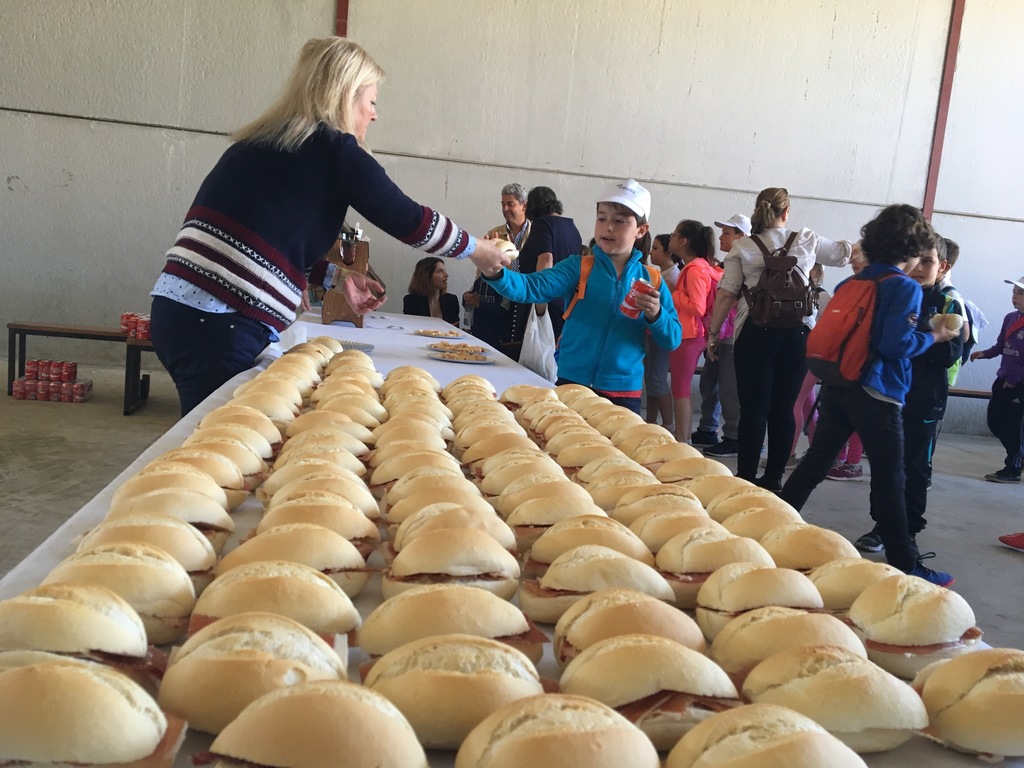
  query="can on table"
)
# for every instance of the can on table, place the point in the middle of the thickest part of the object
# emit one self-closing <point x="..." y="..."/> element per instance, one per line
<point x="44" y="370"/>
<point x="42" y="390"/>
<point x="142" y="327"/>
<point x="124" y="321"/>
<point x="68" y="371"/>
<point x="628" y="307"/>
<point x="32" y="369"/>
<point x="133" y="320"/>
<point x="67" y="391"/>
<point x="18" y="387"/>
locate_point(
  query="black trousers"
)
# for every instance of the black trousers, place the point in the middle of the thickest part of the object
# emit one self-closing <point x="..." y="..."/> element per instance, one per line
<point x="919" y="436"/>
<point x="843" y="411"/>
<point x="770" y="369"/>
<point x="1006" y="421"/>
<point x="202" y="350"/>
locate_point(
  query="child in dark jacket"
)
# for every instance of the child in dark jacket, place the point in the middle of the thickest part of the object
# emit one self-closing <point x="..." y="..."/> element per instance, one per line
<point x="1006" y="408"/>
<point x="892" y="243"/>
<point x="929" y="390"/>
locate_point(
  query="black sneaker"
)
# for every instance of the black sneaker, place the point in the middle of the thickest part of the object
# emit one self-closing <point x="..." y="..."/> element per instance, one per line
<point x="938" y="578"/>
<point x="768" y="485"/>
<point x="1003" y="476"/>
<point x="870" y="542"/>
<point x="724" y="449"/>
<point x="700" y="437"/>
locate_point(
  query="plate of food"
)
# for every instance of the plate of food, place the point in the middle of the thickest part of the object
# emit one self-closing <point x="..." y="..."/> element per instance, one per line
<point x="461" y="357"/>
<point x="453" y="334"/>
<point x="448" y="346"/>
<point x="361" y="346"/>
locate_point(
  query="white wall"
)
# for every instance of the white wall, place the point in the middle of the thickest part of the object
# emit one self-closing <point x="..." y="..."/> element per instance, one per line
<point x="706" y="102"/>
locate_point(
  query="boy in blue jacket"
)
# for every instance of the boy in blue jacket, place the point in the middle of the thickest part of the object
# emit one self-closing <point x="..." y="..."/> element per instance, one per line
<point x="601" y="347"/>
<point x="892" y="242"/>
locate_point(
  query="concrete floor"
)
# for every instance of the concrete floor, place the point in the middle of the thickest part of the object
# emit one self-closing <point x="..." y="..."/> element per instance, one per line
<point x="54" y="457"/>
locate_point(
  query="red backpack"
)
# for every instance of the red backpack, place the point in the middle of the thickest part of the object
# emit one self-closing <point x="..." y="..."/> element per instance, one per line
<point x="839" y="347"/>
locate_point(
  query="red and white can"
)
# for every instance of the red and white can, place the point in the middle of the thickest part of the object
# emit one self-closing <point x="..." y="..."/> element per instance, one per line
<point x="18" y="387"/>
<point x="32" y="369"/>
<point x="81" y="390"/>
<point x="142" y="327"/>
<point x="628" y="307"/>
<point x="124" y="321"/>
<point x="42" y="390"/>
<point x="44" y="370"/>
<point x="67" y="390"/>
<point x="68" y="371"/>
<point x="133" y="321"/>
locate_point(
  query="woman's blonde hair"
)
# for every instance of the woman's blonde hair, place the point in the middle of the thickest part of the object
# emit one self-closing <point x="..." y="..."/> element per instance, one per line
<point x="331" y="74"/>
<point x="771" y="204"/>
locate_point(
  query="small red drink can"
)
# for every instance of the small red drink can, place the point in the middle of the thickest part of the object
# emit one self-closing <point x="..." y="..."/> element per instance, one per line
<point x="68" y="371"/>
<point x="44" y="370"/>
<point x="18" y="388"/>
<point x="42" y="390"/>
<point x="628" y="307"/>
<point x="133" y="321"/>
<point x="32" y="369"/>
<point x="142" y="327"/>
<point x="124" y="321"/>
<point x="67" y="389"/>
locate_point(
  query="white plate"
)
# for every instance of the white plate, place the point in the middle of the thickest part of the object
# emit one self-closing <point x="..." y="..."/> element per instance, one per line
<point x="440" y="334"/>
<point x="478" y="350"/>
<point x="441" y="356"/>
<point x="360" y="346"/>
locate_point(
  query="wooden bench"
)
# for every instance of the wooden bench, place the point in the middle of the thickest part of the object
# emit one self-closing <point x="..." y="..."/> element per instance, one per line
<point x="136" y="385"/>
<point x="972" y="394"/>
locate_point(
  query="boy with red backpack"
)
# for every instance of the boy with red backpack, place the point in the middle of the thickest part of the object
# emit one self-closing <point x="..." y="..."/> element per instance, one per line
<point x="871" y="403"/>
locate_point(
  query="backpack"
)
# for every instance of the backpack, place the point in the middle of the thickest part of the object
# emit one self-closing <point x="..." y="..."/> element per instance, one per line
<point x="587" y="265"/>
<point x="783" y="296"/>
<point x="839" y="346"/>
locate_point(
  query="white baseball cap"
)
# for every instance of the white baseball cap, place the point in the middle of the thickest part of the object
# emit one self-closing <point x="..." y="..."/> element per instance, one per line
<point x="1019" y="282"/>
<point x="739" y="221"/>
<point x="630" y="194"/>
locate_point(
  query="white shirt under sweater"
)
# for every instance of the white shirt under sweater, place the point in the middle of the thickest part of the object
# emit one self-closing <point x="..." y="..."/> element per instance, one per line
<point x="744" y="263"/>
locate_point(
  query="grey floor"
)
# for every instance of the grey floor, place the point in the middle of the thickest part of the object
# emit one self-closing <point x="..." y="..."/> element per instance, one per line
<point x="55" y="456"/>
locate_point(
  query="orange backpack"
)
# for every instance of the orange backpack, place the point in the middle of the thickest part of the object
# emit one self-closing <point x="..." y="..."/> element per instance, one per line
<point x="839" y="347"/>
<point x="586" y="265"/>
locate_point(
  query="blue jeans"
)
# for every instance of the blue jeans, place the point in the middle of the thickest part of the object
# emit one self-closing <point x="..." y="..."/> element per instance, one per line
<point x="843" y="411"/>
<point x="202" y="350"/>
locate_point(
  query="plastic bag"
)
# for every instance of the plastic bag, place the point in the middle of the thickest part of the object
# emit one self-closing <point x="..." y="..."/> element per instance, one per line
<point x="538" y="352"/>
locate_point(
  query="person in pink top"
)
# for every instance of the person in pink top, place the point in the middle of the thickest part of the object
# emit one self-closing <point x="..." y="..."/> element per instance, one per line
<point x="692" y="246"/>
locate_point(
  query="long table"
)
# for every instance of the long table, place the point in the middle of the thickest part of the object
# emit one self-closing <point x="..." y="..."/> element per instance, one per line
<point x="394" y="344"/>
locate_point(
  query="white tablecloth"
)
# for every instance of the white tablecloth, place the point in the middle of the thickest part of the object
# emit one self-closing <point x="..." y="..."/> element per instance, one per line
<point x="395" y="344"/>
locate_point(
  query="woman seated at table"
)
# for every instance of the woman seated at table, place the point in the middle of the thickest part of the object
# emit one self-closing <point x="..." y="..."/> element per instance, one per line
<point x="428" y="292"/>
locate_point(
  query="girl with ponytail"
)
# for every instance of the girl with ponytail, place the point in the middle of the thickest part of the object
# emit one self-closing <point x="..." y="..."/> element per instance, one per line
<point x="692" y="246"/>
<point x="770" y="365"/>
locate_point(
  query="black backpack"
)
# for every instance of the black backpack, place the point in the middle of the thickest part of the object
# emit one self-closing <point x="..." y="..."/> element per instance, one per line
<point x="783" y="296"/>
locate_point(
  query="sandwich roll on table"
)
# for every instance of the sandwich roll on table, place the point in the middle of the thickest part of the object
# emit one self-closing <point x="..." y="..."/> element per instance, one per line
<point x="82" y="621"/>
<point x="975" y="702"/>
<point x="309" y="475"/>
<point x="859" y="703"/>
<point x="907" y="623"/>
<point x="582" y="570"/>
<point x="755" y="522"/>
<point x="230" y="663"/>
<point x="585" y="529"/>
<point x="313" y="724"/>
<point x="657" y="528"/>
<point x="661" y="686"/>
<point x="805" y="547"/>
<point x="196" y="509"/>
<point x="442" y="609"/>
<point x="840" y="582"/>
<point x="655" y="498"/>
<point x="614" y="612"/>
<point x="56" y="711"/>
<point x="736" y="500"/>
<point x="446" y="685"/>
<point x="761" y="735"/>
<point x="287" y="589"/>
<point x="437" y="517"/>
<point x="556" y="729"/>
<point x="753" y="636"/>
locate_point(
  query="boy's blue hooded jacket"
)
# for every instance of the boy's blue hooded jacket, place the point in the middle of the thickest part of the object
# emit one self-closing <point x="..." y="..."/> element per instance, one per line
<point x="600" y="347"/>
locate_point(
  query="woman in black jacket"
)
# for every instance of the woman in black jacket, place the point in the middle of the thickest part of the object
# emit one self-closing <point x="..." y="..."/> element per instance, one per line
<point x="428" y="292"/>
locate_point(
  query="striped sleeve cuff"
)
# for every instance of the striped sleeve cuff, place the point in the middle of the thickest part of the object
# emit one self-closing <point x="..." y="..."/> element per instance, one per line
<point x="439" y="235"/>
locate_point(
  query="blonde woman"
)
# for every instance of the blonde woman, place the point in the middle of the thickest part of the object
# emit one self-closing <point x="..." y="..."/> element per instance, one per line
<point x="770" y="365"/>
<point x="271" y="208"/>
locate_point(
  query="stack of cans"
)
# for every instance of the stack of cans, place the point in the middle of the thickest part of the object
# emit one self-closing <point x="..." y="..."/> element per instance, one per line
<point x="135" y="324"/>
<point x="52" y="380"/>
